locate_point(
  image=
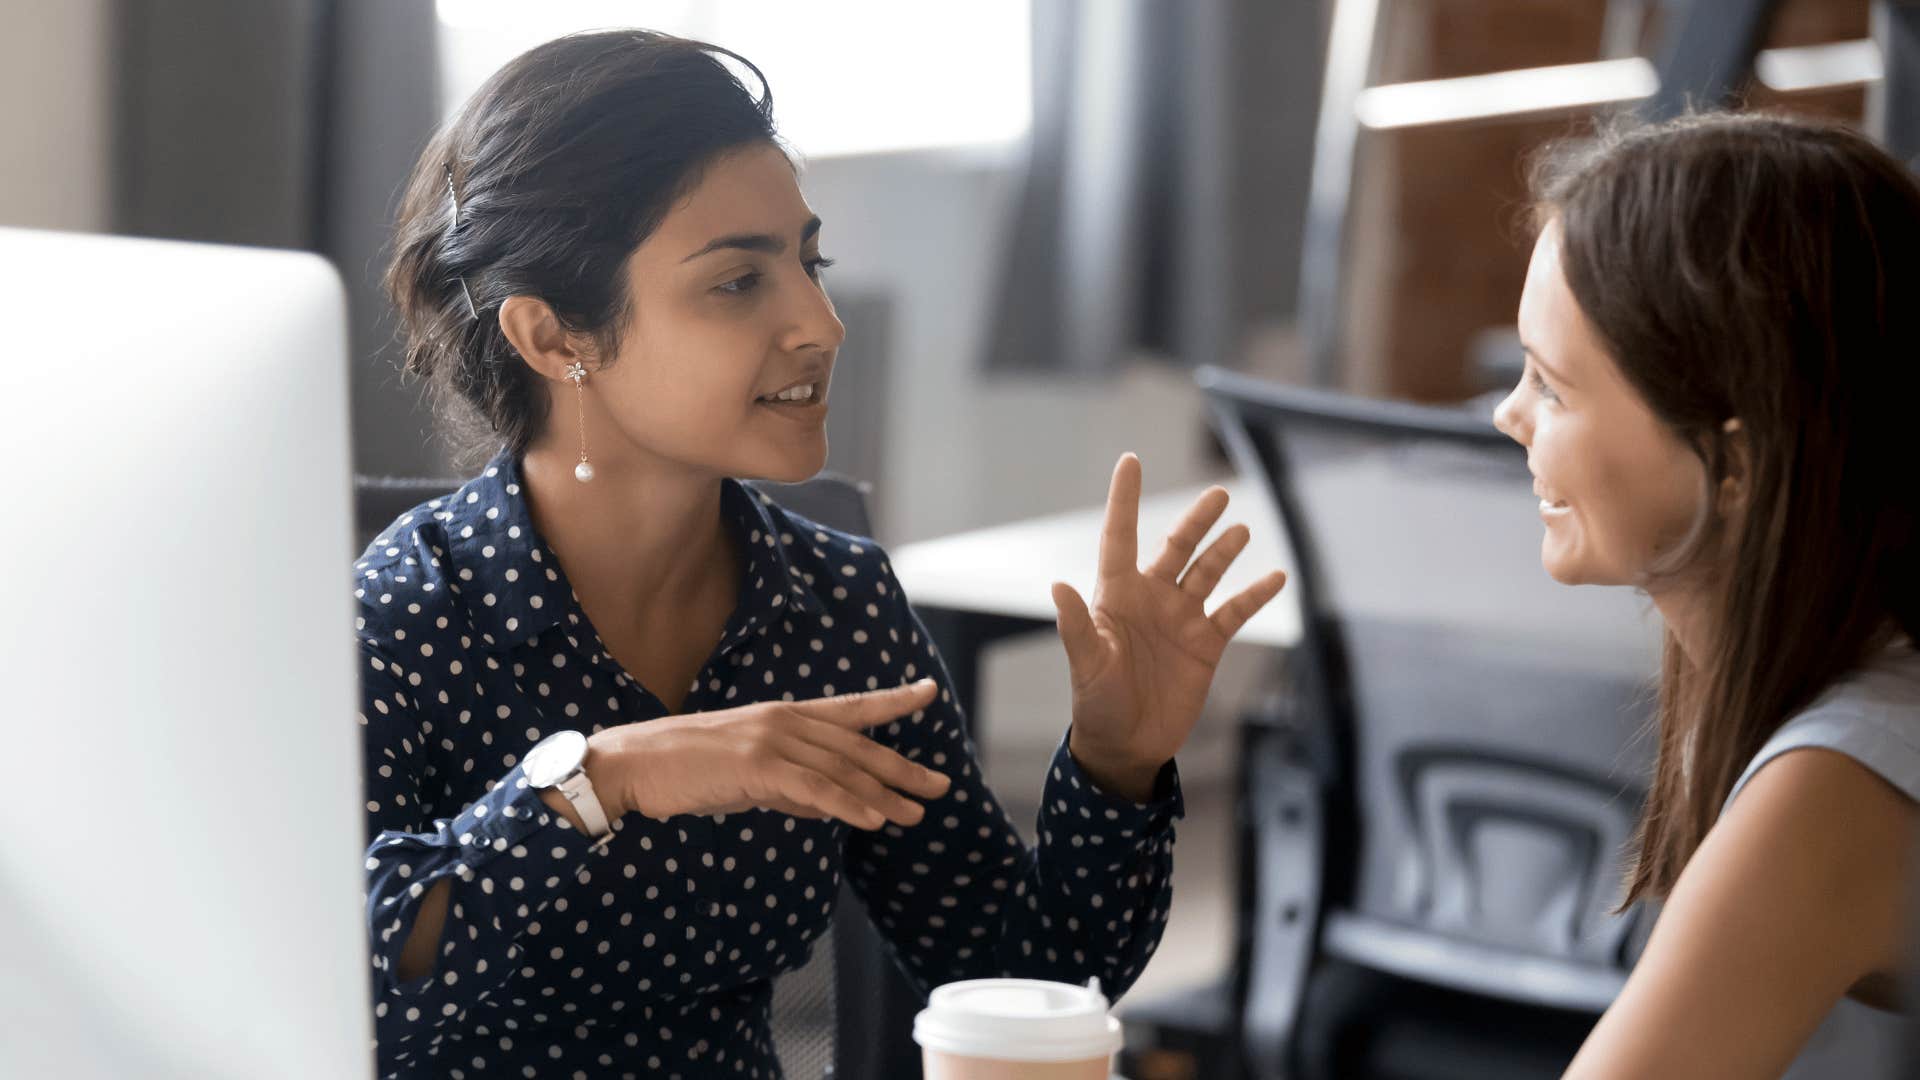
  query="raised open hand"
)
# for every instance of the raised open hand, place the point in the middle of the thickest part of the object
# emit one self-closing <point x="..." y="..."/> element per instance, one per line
<point x="1143" y="657"/>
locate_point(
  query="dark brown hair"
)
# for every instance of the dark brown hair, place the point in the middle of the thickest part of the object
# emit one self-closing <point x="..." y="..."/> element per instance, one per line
<point x="561" y="164"/>
<point x="1766" y="269"/>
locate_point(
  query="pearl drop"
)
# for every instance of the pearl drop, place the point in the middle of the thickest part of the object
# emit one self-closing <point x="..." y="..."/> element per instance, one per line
<point x="583" y="472"/>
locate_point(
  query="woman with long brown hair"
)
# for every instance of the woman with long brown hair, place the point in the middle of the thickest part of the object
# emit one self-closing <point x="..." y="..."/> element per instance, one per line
<point x="1723" y="358"/>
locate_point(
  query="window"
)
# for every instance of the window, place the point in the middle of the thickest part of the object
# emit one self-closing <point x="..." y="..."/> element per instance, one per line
<point x="849" y="77"/>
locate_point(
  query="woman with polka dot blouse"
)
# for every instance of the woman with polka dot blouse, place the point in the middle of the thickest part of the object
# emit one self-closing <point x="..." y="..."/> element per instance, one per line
<point x="604" y="266"/>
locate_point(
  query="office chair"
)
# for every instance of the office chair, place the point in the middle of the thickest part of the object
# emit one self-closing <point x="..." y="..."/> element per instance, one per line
<point x="1436" y="814"/>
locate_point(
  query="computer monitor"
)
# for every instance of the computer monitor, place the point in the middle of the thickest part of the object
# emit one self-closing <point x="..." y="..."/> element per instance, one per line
<point x="180" y="794"/>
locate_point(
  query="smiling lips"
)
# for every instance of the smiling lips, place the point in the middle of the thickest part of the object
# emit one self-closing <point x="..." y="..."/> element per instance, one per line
<point x="801" y="394"/>
<point x="807" y="391"/>
<point x="1548" y="504"/>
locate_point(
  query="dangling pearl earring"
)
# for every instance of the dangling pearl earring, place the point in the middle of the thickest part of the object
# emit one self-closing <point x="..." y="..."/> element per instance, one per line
<point x="577" y="371"/>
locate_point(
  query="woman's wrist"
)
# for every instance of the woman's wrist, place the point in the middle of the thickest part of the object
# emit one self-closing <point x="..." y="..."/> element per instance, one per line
<point x="604" y="764"/>
<point x="601" y="767"/>
<point x="1113" y="773"/>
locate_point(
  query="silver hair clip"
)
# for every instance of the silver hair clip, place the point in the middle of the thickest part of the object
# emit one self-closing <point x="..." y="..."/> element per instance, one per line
<point x="453" y="195"/>
<point x="472" y="312"/>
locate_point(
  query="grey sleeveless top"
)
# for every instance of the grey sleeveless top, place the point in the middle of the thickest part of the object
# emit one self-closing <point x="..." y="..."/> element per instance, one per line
<point x="1873" y="717"/>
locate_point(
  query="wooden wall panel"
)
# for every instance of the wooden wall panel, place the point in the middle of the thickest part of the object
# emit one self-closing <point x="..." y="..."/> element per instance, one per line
<point x="1437" y="250"/>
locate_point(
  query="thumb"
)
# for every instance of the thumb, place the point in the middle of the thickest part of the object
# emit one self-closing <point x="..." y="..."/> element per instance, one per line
<point x="1077" y="631"/>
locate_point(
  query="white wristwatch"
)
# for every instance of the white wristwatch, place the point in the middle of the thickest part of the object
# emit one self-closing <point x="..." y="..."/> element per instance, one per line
<point x="559" y="761"/>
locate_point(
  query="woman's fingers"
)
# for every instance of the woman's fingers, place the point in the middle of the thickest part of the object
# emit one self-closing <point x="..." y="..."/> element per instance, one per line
<point x="823" y="766"/>
<point x="797" y="784"/>
<point x="1233" y="614"/>
<point x="1119" y="536"/>
<point x="880" y="762"/>
<point x="871" y="707"/>
<point x="1186" y="536"/>
<point x="853" y="778"/>
<point x="792" y="809"/>
<point x="1207" y="570"/>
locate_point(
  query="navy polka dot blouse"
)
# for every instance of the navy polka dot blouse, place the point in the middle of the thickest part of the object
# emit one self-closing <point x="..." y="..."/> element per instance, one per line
<point x="656" y="956"/>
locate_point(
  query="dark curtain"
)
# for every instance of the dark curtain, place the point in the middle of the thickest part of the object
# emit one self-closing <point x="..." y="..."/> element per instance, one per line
<point x="285" y="123"/>
<point x="1165" y="181"/>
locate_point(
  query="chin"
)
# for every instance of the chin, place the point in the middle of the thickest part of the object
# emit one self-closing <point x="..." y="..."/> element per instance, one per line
<point x="1570" y="566"/>
<point x="1565" y="573"/>
<point x="788" y="468"/>
<point x="1565" y="566"/>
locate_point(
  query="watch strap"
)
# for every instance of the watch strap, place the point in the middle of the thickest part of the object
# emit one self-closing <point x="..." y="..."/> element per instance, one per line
<point x="578" y="790"/>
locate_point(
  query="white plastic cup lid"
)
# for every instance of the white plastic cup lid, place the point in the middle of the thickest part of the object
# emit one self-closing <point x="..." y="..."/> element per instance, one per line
<point x="1018" y="1020"/>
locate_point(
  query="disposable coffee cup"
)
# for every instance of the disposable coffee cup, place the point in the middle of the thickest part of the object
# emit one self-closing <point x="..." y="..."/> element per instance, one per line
<point x="1017" y="1029"/>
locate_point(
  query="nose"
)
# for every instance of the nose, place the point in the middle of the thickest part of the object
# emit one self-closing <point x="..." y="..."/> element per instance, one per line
<point x="1510" y="416"/>
<point x="814" y="325"/>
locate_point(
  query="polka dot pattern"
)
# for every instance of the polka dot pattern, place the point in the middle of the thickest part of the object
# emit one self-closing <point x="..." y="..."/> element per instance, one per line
<point x="656" y="956"/>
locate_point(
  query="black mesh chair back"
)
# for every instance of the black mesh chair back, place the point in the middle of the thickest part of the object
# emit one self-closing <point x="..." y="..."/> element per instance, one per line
<point x="1474" y="730"/>
<point x="848" y="1012"/>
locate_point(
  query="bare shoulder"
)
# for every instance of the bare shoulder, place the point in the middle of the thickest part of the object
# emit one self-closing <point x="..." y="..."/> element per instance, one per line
<point x="1824" y="837"/>
<point x="1797" y="894"/>
<point x="1824" y="808"/>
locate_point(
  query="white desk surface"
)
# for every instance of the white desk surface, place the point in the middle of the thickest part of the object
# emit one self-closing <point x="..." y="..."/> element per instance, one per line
<point x="1421" y="543"/>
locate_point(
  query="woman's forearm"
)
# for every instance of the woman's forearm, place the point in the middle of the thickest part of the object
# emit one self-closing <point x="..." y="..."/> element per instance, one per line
<point x="416" y="956"/>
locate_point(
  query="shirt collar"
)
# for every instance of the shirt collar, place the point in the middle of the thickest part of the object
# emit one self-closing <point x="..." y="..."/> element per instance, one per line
<point x="509" y="579"/>
<point x="772" y="587"/>
<point x="515" y="589"/>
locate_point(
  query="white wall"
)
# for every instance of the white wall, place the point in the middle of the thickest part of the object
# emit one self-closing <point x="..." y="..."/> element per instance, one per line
<point x="54" y="110"/>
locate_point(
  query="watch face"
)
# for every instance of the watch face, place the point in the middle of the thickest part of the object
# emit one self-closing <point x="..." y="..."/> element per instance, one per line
<point x="553" y="757"/>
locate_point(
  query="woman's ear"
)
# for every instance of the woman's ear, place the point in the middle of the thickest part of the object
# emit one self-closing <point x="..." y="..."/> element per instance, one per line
<point x="1736" y="458"/>
<point x="536" y="334"/>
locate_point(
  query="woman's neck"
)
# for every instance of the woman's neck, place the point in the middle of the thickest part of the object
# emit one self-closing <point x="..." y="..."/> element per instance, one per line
<point x="641" y="541"/>
<point x="1688" y="610"/>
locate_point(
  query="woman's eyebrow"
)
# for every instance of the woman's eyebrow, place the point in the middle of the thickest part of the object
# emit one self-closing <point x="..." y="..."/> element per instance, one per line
<point x="764" y="243"/>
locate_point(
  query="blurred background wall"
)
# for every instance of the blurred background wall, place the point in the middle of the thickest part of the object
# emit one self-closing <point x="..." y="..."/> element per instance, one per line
<point x="1045" y="210"/>
<point x="291" y="123"/>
